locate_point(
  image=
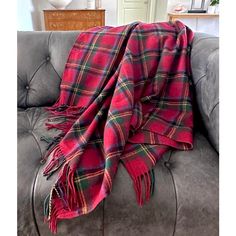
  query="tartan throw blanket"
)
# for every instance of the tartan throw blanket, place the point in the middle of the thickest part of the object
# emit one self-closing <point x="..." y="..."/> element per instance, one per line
<point x="125" y="96"/>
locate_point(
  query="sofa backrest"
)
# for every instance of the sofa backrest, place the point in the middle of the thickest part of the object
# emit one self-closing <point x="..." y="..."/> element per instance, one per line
<point x="205" y="72"/>
<point x="41" y="58"/>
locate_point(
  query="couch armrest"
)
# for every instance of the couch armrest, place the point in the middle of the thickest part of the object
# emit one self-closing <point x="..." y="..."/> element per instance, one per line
<point x="205" y="71"/>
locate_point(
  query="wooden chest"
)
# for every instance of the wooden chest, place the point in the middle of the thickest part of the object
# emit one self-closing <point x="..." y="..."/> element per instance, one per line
<point x="73" y="19"/>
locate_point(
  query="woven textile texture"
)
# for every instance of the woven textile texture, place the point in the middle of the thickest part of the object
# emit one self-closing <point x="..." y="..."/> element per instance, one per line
<point x="125" y="96"/>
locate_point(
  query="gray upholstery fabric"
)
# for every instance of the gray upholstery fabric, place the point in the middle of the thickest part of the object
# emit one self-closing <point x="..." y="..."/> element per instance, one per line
<point x="122" y="215"/>
<point x="41" y="59"/>
<point x="205" y="69"/>
<point x="185" y="200"/>
<point x="196" y="179"/>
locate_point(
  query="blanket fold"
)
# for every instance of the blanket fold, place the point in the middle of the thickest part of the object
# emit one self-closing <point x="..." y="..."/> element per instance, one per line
<point x="125" y="96"/>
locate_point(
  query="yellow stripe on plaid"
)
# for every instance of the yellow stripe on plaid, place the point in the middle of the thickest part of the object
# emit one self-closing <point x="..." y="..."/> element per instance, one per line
<point x="123" y="84"/>
<point x="83" y="201"/>
<point x="171" y="133"/>
<point x="89" y="176"/>
<point x="100" y="48"/>
<point x="88" y="55"/>
<point x="151" y="157"/>
<point x="138" y="150"/>
<point x="108" y="178"/>
<point x="113" y="118"/>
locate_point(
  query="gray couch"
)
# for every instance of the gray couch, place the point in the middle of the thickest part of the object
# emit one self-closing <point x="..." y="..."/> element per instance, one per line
<point x="186" y="198"/>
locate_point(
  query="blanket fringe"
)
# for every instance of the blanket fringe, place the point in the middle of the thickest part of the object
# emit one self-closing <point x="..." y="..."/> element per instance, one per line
<point x="50" y="211"/>
<point x="61" y="118"/>
<point x="62" y="200"/>
<point x="143" y="180"/>
<point x="56" y="161"/>
<point x="63" y="126"/>
<point x="64" y="110"/>
<point x="66" y="114"/>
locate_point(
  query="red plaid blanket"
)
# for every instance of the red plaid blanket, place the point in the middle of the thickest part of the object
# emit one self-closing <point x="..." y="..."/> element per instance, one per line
<point x="125" y="96"/>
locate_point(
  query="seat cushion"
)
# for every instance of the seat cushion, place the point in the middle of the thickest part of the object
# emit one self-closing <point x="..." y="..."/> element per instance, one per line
<point x="185" y="200"/>
<point x="196" y="179"/>
<point x="29" y="153"/>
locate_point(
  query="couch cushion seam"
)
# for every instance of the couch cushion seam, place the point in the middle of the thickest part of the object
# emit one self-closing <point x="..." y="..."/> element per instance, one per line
<point x="213" y="108"/>
<point x="55" y="70"/>
<point x="199" y="79"/>
<point x="33" y="135"/>
<point x="41" y="153"/>
<point x="33" y="203"/>
<point x="175" y="192"/>
<point x="40" y="111"/>
<point x="25" y="102"/>
<point x="33" y="76"/>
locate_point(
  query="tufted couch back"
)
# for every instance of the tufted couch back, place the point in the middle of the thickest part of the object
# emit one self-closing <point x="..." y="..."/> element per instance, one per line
<point x="41" y="58"/>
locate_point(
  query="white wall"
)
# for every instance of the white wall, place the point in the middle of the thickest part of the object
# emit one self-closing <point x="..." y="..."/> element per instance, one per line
<point x="24" y="9"/>
<point x="161" y="10"/>
<point x="30" y="12"/>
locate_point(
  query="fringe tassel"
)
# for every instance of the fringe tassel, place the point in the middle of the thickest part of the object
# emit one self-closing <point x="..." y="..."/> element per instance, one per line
<point x="64" y="110"/>
<point x="64" y="197"/>
<point x="71" y="190"/>
<point x="64" y="113"/>
<point x="143" y="180"/>
<point x="46" y="208"/>
<point x="51" y="212"/>
<point x="56" y="161"/>
<point x="152" y="182"/>
<point x="52" y="145"/>
<point x="60" y="201"/>
<point x="63" y="126"/>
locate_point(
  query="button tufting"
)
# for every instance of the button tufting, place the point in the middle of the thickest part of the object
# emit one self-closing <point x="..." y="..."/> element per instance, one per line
<point x="27" y="87"/>
<point x="48" y="58"/>
<point x="167" y="164"/>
